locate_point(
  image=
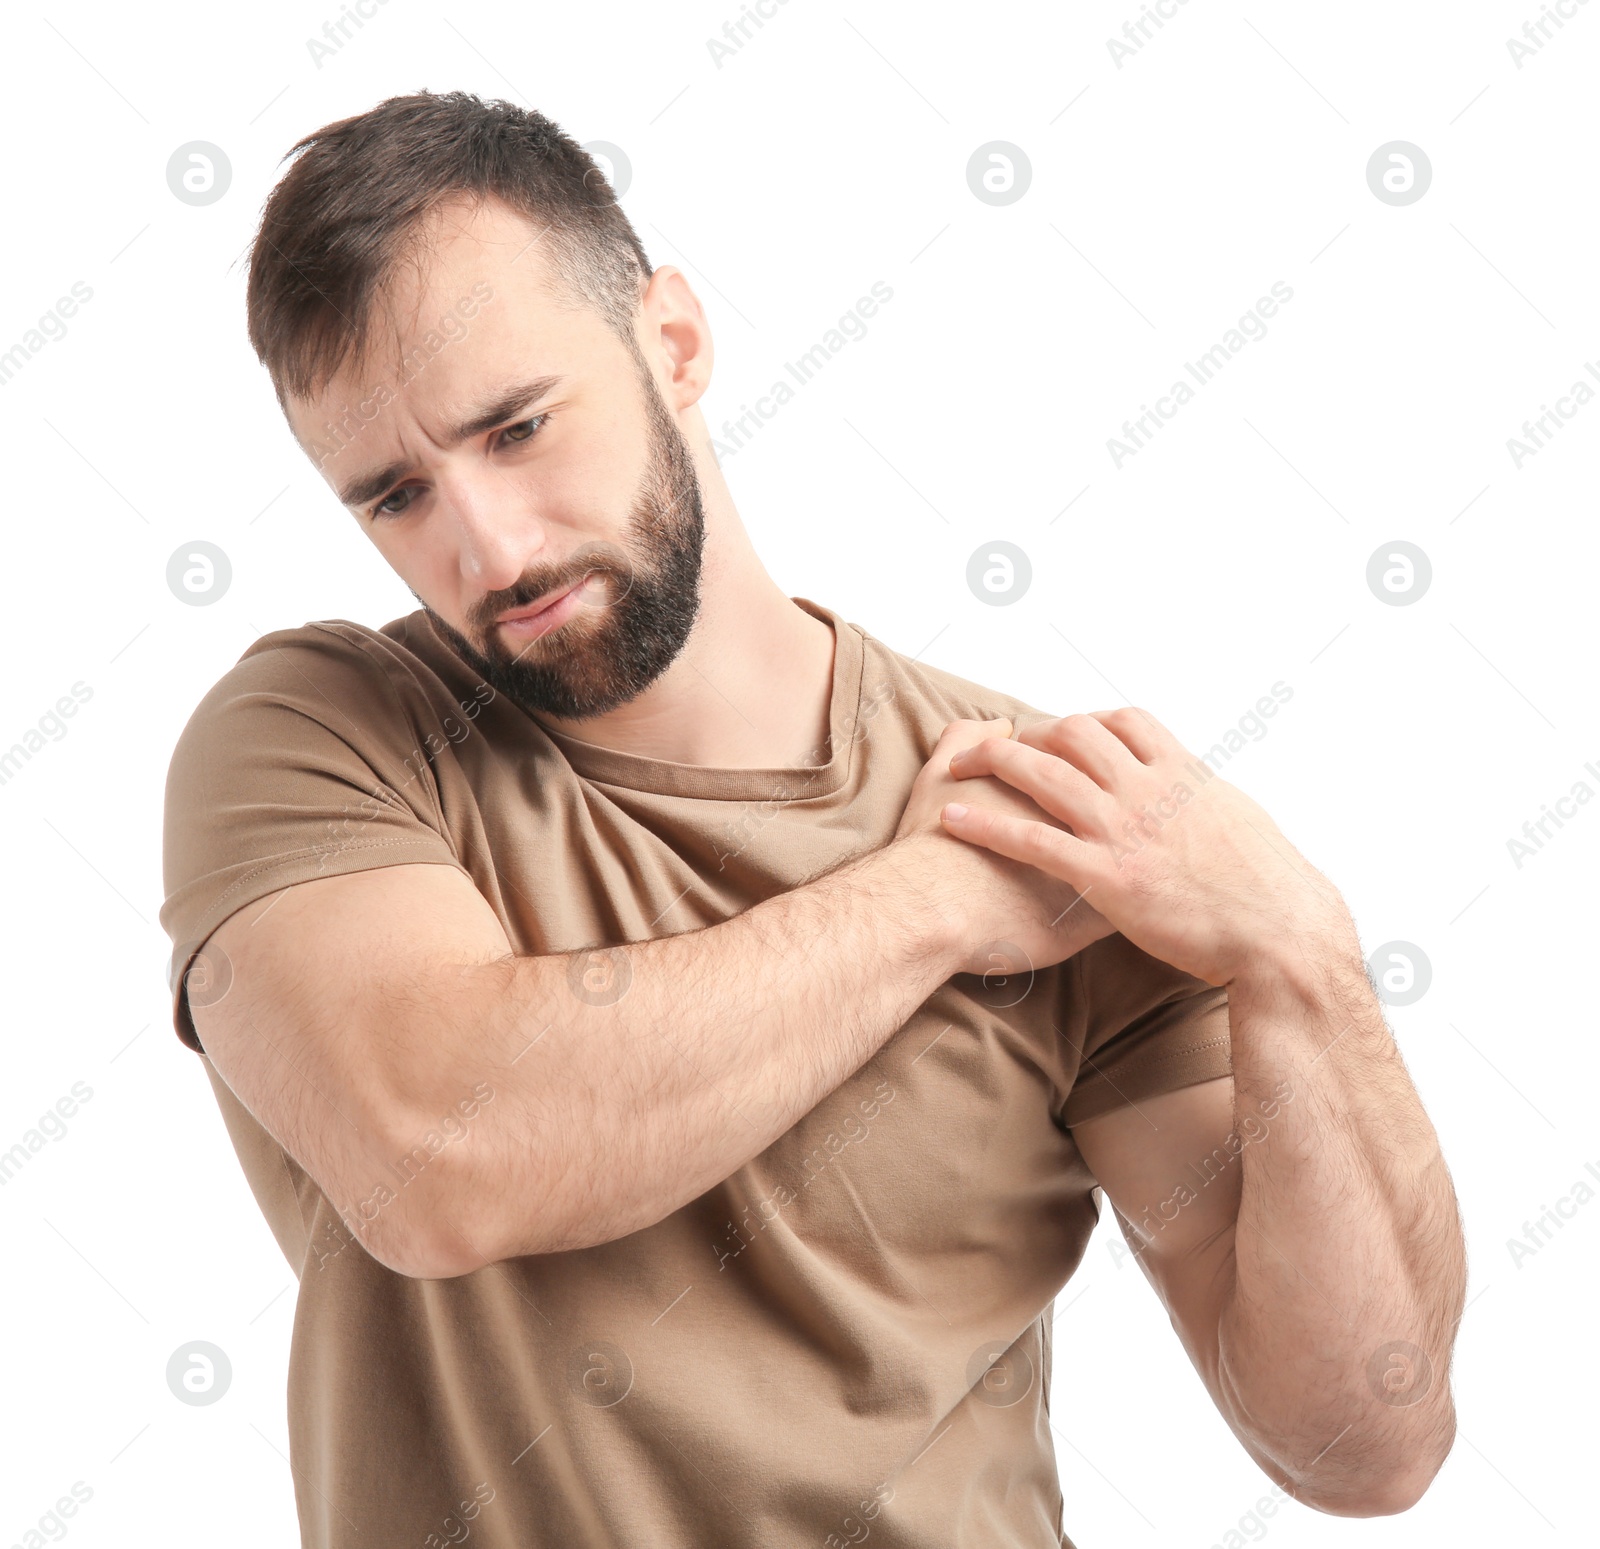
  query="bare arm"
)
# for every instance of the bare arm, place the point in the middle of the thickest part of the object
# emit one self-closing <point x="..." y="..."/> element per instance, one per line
<point x="1300" y="1225"/>
<point x="572" y="1099"/>
<point x="1318" y="1290"/>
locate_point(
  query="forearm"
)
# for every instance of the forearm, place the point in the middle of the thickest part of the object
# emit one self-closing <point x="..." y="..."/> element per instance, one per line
<point x="612" y="1110"/>
<point x="1349" y="1267"/>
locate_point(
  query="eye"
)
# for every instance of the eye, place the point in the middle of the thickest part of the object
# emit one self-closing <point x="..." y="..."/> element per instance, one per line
<point x="383" y="508"/>
<point x="525" y="430"/>
<point x="518" y="434"/>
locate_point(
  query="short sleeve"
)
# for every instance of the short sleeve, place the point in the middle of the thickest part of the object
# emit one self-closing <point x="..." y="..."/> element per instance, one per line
<point x="303" y="761"/>
<point x="1141" y="1027"/>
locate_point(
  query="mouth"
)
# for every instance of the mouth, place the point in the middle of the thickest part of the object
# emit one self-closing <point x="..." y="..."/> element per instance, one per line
<point x="539" y="618"/>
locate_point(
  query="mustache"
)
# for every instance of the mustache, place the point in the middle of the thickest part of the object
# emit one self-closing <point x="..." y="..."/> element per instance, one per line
<point x="597" y="558"/>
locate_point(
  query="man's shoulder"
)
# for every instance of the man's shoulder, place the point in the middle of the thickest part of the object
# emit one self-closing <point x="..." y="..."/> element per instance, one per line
<point x="335" y="645"/>
<point x="320" y="654"/>
<point x="337" y="672"/>
<point x="939" y="694"/>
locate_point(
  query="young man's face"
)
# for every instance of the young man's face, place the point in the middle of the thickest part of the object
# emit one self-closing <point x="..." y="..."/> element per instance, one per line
<point x="503" y="451"/>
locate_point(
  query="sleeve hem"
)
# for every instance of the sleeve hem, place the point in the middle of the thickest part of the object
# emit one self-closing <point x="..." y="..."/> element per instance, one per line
<point x="1207" y="1060"/>
<point x="283" y="871"/>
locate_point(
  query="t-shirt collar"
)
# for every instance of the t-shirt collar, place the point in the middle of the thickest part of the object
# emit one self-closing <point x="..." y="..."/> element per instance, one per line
<point x="607" y="766"/>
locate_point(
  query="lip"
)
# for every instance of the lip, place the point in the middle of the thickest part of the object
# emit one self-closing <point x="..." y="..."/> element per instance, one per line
<point x="540" y="617"/>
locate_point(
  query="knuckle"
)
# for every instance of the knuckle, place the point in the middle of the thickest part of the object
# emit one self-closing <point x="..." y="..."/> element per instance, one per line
<point x="966" y="731"/>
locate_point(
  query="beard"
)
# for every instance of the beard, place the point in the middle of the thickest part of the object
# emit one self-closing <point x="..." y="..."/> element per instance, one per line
<point x="609" y="652"/>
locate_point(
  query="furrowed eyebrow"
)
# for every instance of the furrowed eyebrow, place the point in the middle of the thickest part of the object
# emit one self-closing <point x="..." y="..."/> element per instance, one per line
<point x="506" y="402"/>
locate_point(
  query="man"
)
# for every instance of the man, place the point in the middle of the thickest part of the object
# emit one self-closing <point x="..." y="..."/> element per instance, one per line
<point x="679" y="1110"/>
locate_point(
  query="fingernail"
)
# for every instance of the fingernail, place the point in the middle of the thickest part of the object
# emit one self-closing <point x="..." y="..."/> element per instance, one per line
<point x="955" y="811"/>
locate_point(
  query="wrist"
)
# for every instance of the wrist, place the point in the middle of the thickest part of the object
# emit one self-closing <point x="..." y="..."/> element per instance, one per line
<point x="1306" y="963"/>
<point x="918" y="895"/>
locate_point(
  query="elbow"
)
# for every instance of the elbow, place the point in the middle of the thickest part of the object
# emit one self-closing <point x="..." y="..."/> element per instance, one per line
<point x="431" y="1227"/>
<point x="1383" y="1490"/>
<point x="1399" y="1492"/>
<point x="419" y="1253"/>
<point x="1384" y="1496"/>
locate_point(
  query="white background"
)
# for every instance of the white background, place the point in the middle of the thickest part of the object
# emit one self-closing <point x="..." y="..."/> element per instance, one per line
<point x="1231" y="553"/>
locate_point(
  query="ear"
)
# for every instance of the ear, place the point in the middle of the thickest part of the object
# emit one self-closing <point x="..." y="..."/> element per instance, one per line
<point x="675" y="336"/>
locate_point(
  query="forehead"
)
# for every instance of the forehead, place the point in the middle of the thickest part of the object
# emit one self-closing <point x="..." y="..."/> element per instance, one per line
<point x="473" y="297"/>
<point x="461" y="244"/>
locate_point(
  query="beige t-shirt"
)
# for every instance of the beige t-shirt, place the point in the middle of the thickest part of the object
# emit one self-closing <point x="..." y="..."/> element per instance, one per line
<point x="848" y="1340"/>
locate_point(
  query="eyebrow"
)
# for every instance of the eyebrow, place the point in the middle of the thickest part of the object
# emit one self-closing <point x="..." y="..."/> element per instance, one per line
<point x="506" y="401"/>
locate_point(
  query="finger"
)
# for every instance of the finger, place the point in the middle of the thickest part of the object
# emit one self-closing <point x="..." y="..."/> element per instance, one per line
<point x="966" y="734"/>
<point x="1051" y="851"/>
<point x="1140" y="732"/>
<point x="1060" y="788"/>
<point x="1085" y="743"/>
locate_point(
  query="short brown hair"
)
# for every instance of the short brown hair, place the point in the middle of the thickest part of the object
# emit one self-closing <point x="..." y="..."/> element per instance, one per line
<point x="352" y="207"/>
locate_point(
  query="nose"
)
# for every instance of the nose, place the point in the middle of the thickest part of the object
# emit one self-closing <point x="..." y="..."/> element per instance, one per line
<point x="500" y="533"/>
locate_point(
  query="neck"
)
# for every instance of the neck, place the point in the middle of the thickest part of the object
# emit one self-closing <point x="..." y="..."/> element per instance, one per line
<point x="752" y="687"/>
